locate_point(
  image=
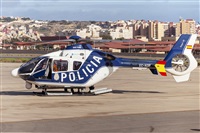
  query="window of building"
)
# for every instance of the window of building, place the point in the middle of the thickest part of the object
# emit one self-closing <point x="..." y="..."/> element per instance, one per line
<point x="76" y="65"/>
<point x="60" y="65"/>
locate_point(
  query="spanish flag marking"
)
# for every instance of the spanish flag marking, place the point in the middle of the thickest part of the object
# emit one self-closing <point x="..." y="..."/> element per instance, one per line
<point x="160" y="66"/>
<point x="189" y="46"/>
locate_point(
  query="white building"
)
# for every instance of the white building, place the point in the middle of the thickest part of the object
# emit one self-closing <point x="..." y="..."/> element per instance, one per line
<point x="122" y="31"/>
<point x="92" y="31"/>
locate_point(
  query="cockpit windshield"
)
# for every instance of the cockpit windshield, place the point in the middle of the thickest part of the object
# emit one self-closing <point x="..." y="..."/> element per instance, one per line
<point x="30" y="65"/>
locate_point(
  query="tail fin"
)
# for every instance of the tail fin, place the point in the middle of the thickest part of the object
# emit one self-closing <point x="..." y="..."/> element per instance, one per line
<point x="180" y="60"/>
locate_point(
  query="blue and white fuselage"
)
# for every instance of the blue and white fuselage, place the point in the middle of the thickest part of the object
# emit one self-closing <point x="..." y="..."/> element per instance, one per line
<point x="93" y="67"/>
<point x="81" y="66"/>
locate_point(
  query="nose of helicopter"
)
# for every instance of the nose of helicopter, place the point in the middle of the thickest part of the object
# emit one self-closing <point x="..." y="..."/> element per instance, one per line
<point x="15" y="72"/>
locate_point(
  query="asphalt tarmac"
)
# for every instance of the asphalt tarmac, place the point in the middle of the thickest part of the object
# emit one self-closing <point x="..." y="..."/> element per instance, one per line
<point x="140" y="102"/>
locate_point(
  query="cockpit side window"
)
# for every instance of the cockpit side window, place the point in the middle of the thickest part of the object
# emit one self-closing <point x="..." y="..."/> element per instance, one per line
<point x="76" y="65"/>
<point x="42" y="65"/>
<point x="60" y="65"/>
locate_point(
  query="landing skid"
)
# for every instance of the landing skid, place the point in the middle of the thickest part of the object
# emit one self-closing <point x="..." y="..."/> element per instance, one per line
<point x="66" y="93"/>
<point x="53" y="93"/>
<point x="100" y="91"/>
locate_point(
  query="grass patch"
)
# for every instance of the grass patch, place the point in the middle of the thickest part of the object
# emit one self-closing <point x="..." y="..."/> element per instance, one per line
<point x="15" y="60"/>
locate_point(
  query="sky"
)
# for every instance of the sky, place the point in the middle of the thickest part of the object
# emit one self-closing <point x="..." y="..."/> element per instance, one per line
<point x="102" y="10"/>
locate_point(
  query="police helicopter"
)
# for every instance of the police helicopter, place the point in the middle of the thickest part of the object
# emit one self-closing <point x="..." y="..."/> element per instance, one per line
<point x="79" y="66"/>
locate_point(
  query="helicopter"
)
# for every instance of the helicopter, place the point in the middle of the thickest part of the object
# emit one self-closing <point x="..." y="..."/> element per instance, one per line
<point x="79" y="66"/>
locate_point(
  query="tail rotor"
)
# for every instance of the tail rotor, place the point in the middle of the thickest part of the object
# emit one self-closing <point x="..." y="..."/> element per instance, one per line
<point x="180" y="63"/>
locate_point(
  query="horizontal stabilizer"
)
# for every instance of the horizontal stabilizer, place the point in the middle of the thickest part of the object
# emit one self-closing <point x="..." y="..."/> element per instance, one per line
<point x="182" y="78"/>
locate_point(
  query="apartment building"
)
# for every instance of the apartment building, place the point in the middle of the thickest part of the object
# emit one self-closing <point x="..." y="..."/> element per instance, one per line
<point x="144" y="29"/>
<point x="140" y="29"/>
<point x="152" y="30"/>
<point x="136" y="28"/>
<point x="155" y="30"/>
<point x="92" y="31"/>
<point x="185" y="27"/>
<point x="125" y="32"/>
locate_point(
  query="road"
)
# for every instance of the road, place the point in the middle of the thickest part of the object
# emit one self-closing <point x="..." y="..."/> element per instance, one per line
<point x="140" y="102"/>
<point x="156" y="122"/>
